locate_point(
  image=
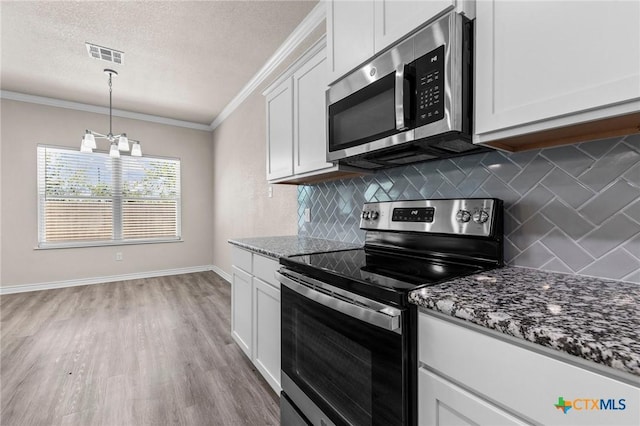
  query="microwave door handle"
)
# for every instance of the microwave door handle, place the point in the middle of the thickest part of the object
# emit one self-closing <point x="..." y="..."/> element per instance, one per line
<point x="399" y="99"/>
<point x="387" y="318"/>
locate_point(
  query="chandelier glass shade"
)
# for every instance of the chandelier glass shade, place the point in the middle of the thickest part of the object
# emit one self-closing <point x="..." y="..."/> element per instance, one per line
<point x="118" y="142"/>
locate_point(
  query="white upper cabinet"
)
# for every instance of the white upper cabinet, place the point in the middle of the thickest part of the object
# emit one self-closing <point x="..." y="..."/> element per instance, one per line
<point x="396" y="18"/>
<point x="543" y="65"/>
<point x="349" y="35"/>
<point x="357" y="30"/>
<point x="280" y="131"/>
<point x="310" y="129"/>
<point x="297" y="123"/>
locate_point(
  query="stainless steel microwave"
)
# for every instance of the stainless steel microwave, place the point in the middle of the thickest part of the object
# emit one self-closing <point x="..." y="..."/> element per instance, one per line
<point x="412" y="103"/>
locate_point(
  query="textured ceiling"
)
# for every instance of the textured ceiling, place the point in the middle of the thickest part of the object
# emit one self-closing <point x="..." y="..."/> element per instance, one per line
<point x="183" y="60"/>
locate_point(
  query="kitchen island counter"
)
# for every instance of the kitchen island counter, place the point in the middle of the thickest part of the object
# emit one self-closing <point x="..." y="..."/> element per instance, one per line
<point x="594" y="319"/>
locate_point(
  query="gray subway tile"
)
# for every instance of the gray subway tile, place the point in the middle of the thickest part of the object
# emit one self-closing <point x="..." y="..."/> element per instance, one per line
<point x="569" y="158"/>
<point x="567" y="219"/>
<point x="568" y="188"/>
<point x="566" y="250"/>
<point x="633" y="246"/>
<point x="533" y="257"/>
<point x="469" y="162"/>
<point x="599" y="147"/>
<point x="633" y="277"/>
<point x="615" y="265"/>
<point x="604" y="171"/>
<point x="510" y="223"/>
<point x="451" y="172"/>
<point x="501" y="166"/>
<point x="633" y="140"/>
<point x="530" y="231"/>
<point x="609" y="235"/>
<point x="430" y="187"/>
<point x="531" y="203"/>
<point x="499" y="189"/>
<point x="610" y="201"/>
<point x="473" y="181"/>
<point x="555" y="265"/>
<point x="510" y="251"/>
<point x="523" y="158"/>
<point x="447" y="190"/>
<point x="531" y="174"/>
<point x="633" y="174"/>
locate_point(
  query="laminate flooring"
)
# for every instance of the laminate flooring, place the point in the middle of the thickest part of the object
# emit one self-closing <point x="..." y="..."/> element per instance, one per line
<point x="140" y="352"/>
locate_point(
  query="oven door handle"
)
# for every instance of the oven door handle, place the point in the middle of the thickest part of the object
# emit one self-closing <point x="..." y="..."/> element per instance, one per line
<point x="386" y="317"/>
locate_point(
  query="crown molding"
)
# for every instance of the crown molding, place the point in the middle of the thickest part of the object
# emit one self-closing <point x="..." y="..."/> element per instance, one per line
<point x="59" y="103"/>
<point x="302" y="31"/>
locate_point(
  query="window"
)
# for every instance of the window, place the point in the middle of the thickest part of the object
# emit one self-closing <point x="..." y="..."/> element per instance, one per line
<point x="92" y="199"/>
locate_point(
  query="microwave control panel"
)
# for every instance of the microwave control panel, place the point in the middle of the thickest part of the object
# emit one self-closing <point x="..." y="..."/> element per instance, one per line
<point x="430" y="87"/>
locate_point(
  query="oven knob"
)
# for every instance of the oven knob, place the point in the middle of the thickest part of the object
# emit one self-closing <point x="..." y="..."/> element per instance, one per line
<point x="374" y="215"/>
<point x="365" y="215"/>
<point x="463" y="216"/>
<point x="480" y="216"/>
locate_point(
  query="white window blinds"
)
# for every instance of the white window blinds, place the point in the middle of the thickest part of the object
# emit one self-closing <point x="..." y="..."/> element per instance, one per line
<point x="93" y="199"/>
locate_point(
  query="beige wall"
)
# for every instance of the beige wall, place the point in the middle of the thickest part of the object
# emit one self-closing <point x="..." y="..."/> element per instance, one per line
<point x="241" y="207"/>
<point x="24" y="126"/>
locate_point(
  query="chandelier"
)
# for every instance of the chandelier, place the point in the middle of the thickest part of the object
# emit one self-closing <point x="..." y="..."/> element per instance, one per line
<point x="118" y="142"/>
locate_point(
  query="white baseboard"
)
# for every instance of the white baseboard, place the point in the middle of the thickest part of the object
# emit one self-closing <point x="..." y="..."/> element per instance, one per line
<point x="223" y="274"/>
<point x="22" y="288"/>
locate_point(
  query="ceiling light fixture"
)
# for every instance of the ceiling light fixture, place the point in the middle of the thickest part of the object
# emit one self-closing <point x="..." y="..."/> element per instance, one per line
<point x="118" y="142"/>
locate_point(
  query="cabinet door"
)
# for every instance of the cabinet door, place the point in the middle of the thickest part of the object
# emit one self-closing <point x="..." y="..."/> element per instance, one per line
<point x="266" y="336"/>
<point x="538" y="60"/>
<point x="309" y="115"/>
<point x="280" y="131"/>
<point x="397" y="18"/>
<point x="349" y="35"/>
<point x="241" y="309"/>
<point x="441" y="403"/>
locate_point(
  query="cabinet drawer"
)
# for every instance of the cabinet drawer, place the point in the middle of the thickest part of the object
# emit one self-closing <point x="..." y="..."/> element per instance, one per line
<point x="265" y="269"/>
<point x="241" y="258"/>
<point x="523" y="381"/>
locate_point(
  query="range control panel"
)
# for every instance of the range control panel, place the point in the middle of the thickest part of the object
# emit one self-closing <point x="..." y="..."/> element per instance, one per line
<point x="463" y="216"/>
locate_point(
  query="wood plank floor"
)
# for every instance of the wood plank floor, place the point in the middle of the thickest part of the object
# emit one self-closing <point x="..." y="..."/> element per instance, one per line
<point x="151" y="351"/>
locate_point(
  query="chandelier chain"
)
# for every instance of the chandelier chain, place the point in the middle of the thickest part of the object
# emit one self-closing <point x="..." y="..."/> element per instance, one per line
<point x="110" y="115"/>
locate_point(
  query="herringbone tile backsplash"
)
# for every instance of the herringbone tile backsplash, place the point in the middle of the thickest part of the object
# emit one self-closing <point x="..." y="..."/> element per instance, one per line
<point x="572" y="209"/>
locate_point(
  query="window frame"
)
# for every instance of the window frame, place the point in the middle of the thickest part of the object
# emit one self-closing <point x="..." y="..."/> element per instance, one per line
<point x="117" y="202"/>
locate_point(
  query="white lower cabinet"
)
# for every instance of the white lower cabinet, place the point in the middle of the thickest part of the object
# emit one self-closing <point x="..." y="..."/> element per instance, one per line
<point x="266" y="335"/>
<point x="255" y="312"/>
<point x="474" y="376"/>
<point x="442" y="404"/>
<point x="241" y="310"/>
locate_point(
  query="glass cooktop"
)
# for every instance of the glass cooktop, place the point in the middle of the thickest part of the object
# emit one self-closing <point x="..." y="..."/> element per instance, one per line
<point x="392" y="271"/>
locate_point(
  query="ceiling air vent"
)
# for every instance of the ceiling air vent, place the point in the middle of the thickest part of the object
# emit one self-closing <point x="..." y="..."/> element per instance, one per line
<point x="105" y="53"/>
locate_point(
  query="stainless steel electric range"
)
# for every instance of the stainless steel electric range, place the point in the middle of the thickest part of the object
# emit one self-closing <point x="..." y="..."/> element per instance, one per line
<point x="349" y="335"/>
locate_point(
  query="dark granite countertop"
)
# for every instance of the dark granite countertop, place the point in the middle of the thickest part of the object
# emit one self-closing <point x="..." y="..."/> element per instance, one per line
<point x="591" y="318"/>
<point x="284" y="246"/>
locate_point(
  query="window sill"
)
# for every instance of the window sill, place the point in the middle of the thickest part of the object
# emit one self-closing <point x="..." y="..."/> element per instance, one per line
<point x="55" y="246"/>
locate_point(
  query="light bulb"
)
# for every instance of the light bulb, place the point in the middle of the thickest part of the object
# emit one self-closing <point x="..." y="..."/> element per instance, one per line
<point x="113" y="151"/>
<point x="123" y="143"/>
<point x="89" y="140"/>
<point x="84" y="147"/>
<point x="136" y="150"/>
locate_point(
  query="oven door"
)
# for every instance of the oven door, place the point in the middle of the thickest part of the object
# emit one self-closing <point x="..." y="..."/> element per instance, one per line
<point x="342" y="356"/>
